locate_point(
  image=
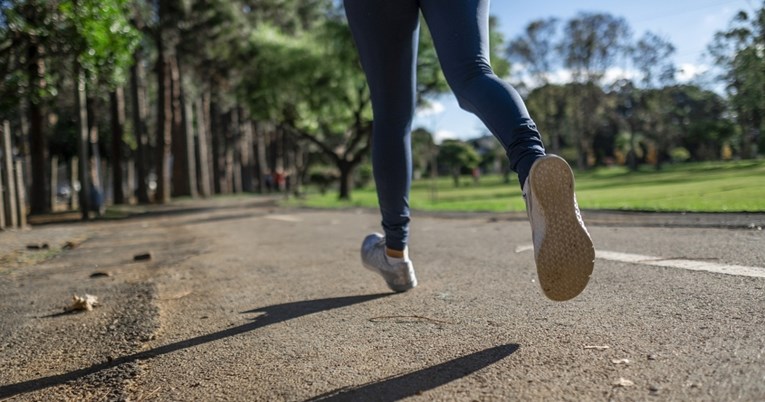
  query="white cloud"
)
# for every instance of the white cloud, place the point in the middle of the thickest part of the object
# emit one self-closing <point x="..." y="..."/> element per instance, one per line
<point x="614" y="74"/>
<point x="441" y="135"/>
<point x="560" y="76"/>
<point x="432" y="109"/>
<point x="689" y="71"/>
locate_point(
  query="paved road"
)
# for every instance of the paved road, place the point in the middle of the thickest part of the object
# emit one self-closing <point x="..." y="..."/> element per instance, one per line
<point x="243" y="301"/>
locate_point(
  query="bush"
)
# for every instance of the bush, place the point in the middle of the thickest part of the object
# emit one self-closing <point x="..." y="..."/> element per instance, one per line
<point x="679" y="154"/>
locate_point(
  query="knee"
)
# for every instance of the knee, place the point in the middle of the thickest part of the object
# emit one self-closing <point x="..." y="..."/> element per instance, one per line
<point x="463" y="75"/>
<point x="468" y="79"/>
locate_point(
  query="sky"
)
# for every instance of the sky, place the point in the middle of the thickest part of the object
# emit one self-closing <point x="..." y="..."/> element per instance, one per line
<point x="688" y="24"/>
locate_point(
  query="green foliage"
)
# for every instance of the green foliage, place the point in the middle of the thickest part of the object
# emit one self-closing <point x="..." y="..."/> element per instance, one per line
<point x="740" y="52"/>
<point x="457" y="155"/>
<point x="680" y="154"/>
<point x="104" y="39"/>
<point x="28" y="30"/>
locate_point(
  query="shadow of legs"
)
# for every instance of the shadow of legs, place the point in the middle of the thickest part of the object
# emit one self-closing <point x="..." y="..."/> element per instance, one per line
<point x="402" y="386"/>
<point x="271" y="315"/>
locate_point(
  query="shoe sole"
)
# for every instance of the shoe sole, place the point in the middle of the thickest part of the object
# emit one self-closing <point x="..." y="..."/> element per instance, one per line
<point x="566" y="256"/>
<point x="410" y="284"/>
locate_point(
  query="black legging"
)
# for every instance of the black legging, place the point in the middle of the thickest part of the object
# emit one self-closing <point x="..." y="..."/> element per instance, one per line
<point x="386" y="34"/>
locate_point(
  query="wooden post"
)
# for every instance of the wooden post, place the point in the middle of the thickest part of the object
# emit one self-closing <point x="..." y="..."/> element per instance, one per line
<point x="21" y="197"/>
<point x="8" y="179"/>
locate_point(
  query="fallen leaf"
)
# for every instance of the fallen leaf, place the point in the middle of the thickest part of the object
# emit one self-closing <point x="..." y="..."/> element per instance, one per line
<point x="86" y="303"/>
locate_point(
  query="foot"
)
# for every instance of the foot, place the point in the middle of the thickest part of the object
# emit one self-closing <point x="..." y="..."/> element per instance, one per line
<point x="399" y="275"/>
<point x="563" y="249"/>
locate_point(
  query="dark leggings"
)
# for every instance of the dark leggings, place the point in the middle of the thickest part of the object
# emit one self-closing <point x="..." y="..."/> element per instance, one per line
<point x="386" y="34"/>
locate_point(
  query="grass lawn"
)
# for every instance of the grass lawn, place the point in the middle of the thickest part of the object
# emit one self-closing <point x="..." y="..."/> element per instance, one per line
<point x="708" y="187"/>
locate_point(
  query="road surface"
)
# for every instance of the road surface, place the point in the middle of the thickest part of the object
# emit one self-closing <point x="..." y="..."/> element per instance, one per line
<point x="244" y="301"/>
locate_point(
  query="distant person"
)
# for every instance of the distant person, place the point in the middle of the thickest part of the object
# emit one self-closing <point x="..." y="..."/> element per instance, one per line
<point x="386" y="35"/>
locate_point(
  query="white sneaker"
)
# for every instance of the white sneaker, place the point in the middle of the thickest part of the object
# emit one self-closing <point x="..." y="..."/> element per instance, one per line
<point x="563" y="249"/>
<point x="399" y="276"/>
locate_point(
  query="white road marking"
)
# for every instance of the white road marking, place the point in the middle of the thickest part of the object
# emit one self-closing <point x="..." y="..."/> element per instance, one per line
<point x="692" y="265"/>
<point x="283" y="218"/>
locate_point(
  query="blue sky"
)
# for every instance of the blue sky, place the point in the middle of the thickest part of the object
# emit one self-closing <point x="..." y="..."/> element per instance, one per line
<point x="687" y="24"/>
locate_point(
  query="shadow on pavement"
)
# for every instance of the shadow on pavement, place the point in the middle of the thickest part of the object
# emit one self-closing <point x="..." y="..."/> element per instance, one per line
<point x="406" y="385"/>
<point x="271" y="315"/>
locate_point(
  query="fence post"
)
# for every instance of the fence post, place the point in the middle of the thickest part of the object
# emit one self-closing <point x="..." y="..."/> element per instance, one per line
<point x="8" y="179"/>
<point x="21" y="197"/>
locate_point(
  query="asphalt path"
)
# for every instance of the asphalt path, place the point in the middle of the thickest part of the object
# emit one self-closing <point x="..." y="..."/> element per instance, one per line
<point x="244" y="301"/>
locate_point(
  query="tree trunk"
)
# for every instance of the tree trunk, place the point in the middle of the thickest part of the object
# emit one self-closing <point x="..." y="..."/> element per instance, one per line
<point x="234" y="156"/>
<point x="83" y="155"/>
<point x="300" y="169"/>
<point x="164" y="126"/>
<point x="261" y="161"/>
<point x="225" y="157"/>
<point x="277" y="146"/>
<point x="139" y="126"/>
<point x="181" y="180"/>
<point x="38" y="145"/>
<point x="8" y="180"/>
<point x="21" y="201"/>
<point x="247" y="156"/>
<point x="631" y="154"/>
<point x="188" y="124"/>
<point x="53" y="182"/>
<point x="346" y="179"/>
<point x="94" y="165"/>
<point x="117" y="100"/>
<point x="215" y="136"/>
<point x="203" y="141"/>
<point x="74" y="177"/>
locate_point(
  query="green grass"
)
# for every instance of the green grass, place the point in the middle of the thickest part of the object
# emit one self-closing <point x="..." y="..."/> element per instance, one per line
<point x="697" y="187"/>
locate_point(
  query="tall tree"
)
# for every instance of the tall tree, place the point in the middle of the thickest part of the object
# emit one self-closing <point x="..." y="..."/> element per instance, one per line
<point x="652" y="56"/>
<point x="590" y="46"/>
<point x="117" y="103"/>
<point x="31" y="31"/>
<point x="739" y="52"/>
<point x="534" y="51"/>
<point x="457" y="155"/>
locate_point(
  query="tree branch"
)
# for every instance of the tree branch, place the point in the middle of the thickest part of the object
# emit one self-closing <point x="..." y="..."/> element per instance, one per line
<point x="311" y="138"/>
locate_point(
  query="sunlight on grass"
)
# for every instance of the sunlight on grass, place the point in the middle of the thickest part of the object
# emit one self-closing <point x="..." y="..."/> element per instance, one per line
<point x="698" y="187"/>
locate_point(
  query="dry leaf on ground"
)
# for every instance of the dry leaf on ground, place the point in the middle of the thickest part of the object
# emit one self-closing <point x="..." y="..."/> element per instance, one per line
<point x="85" y="303"/>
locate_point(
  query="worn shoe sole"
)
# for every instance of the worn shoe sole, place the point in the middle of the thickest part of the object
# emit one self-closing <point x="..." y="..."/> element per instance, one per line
<point x="397" y="282"/>
<point x="566" y="256"/>
<point x="399" y="278"/>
